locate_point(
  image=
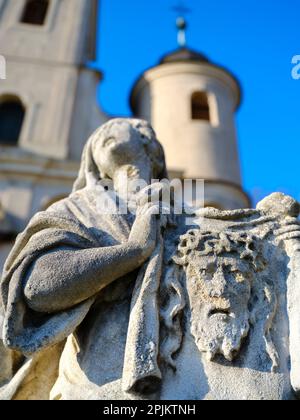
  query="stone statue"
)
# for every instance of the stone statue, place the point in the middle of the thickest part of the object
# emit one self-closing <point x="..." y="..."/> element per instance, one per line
<point x="240" y="272"/>
<point x="144" y="306"/>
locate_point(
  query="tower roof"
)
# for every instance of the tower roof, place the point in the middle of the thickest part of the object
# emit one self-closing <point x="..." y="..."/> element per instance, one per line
<point x="185" y="55"/>
<point x="182" y="55"/>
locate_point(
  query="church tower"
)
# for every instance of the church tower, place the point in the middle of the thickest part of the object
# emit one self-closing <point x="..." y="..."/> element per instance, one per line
<point x="48" y="102"/>
<point x="191" y="103"/>
<point x="47" y="45"/>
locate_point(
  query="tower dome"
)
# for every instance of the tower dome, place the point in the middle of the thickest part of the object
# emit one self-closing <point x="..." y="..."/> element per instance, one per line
<point x="184" y="55"/>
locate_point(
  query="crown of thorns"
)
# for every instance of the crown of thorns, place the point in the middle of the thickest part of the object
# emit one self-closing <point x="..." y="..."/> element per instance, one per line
<point x="245" y="246"/>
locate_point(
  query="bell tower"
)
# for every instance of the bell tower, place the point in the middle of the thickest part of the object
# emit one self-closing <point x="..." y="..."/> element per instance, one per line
<point x="47" y="45"/>
<point x="191" y="103"/>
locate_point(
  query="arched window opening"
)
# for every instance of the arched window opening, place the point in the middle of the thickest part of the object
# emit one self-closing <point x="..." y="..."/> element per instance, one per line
<point x="200" y="106"/>
<point x="12" y="115"/>
<point x="35" y="12"/>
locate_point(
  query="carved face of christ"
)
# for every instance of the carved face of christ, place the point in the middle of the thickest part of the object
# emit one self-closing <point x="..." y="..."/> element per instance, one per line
<point x="219" y="289"/>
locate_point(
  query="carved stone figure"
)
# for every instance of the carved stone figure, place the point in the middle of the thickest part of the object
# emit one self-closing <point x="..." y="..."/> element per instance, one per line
<point x="146" y="306"/>
<point x="222" y="280"/>
<point x="73" y="270"/>
<point x="240" y="271"/>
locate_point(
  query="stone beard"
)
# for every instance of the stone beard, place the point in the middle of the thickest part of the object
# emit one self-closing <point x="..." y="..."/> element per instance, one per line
<point x="220" y="276"/>
<point x="219" y="292"/>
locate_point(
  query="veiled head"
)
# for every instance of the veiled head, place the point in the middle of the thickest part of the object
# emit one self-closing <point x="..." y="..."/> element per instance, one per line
<point x="121" y="142"/>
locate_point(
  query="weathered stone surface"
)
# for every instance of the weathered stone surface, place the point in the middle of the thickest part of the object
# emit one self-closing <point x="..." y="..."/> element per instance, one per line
<point x="151" y="307"/>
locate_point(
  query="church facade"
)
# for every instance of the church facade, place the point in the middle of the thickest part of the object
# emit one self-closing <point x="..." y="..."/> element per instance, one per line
<point x="48" y="104"/>
<point x="48" y="109"/>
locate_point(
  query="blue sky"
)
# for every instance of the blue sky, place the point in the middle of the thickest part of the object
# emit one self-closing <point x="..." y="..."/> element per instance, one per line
<point x="256" y="40"/>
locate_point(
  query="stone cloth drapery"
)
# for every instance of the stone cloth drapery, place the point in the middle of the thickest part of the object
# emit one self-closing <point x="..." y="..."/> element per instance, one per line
<point x="75" y="222"/>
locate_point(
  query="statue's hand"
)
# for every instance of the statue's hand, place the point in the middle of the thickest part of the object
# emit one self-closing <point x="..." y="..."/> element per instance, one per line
<point x="157" y="192"/>
<point x="144" y="230"/>
<point x="158" y="195"/>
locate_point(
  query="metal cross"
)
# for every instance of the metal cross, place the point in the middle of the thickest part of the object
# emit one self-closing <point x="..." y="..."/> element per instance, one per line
<point x="181" y="23"/>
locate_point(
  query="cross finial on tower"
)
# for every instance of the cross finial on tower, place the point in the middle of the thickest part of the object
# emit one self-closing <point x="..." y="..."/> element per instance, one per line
<point x="181" y="23"/>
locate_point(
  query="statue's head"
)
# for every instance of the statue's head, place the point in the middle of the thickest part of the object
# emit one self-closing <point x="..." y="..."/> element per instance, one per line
<point x="122" y="143"/>
<point x="220" y="271"/>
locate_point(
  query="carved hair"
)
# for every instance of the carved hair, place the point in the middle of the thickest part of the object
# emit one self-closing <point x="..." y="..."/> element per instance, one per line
<point x="263" y="302"/>
<point x="241" y="244"/>
<point x="172" y="306"/>
<point x="154" y="150"/>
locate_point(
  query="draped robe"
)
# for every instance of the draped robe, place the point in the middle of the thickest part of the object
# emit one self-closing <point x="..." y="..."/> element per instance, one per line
<point x="112" y="339"/>
<point x="97" y="329"/>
